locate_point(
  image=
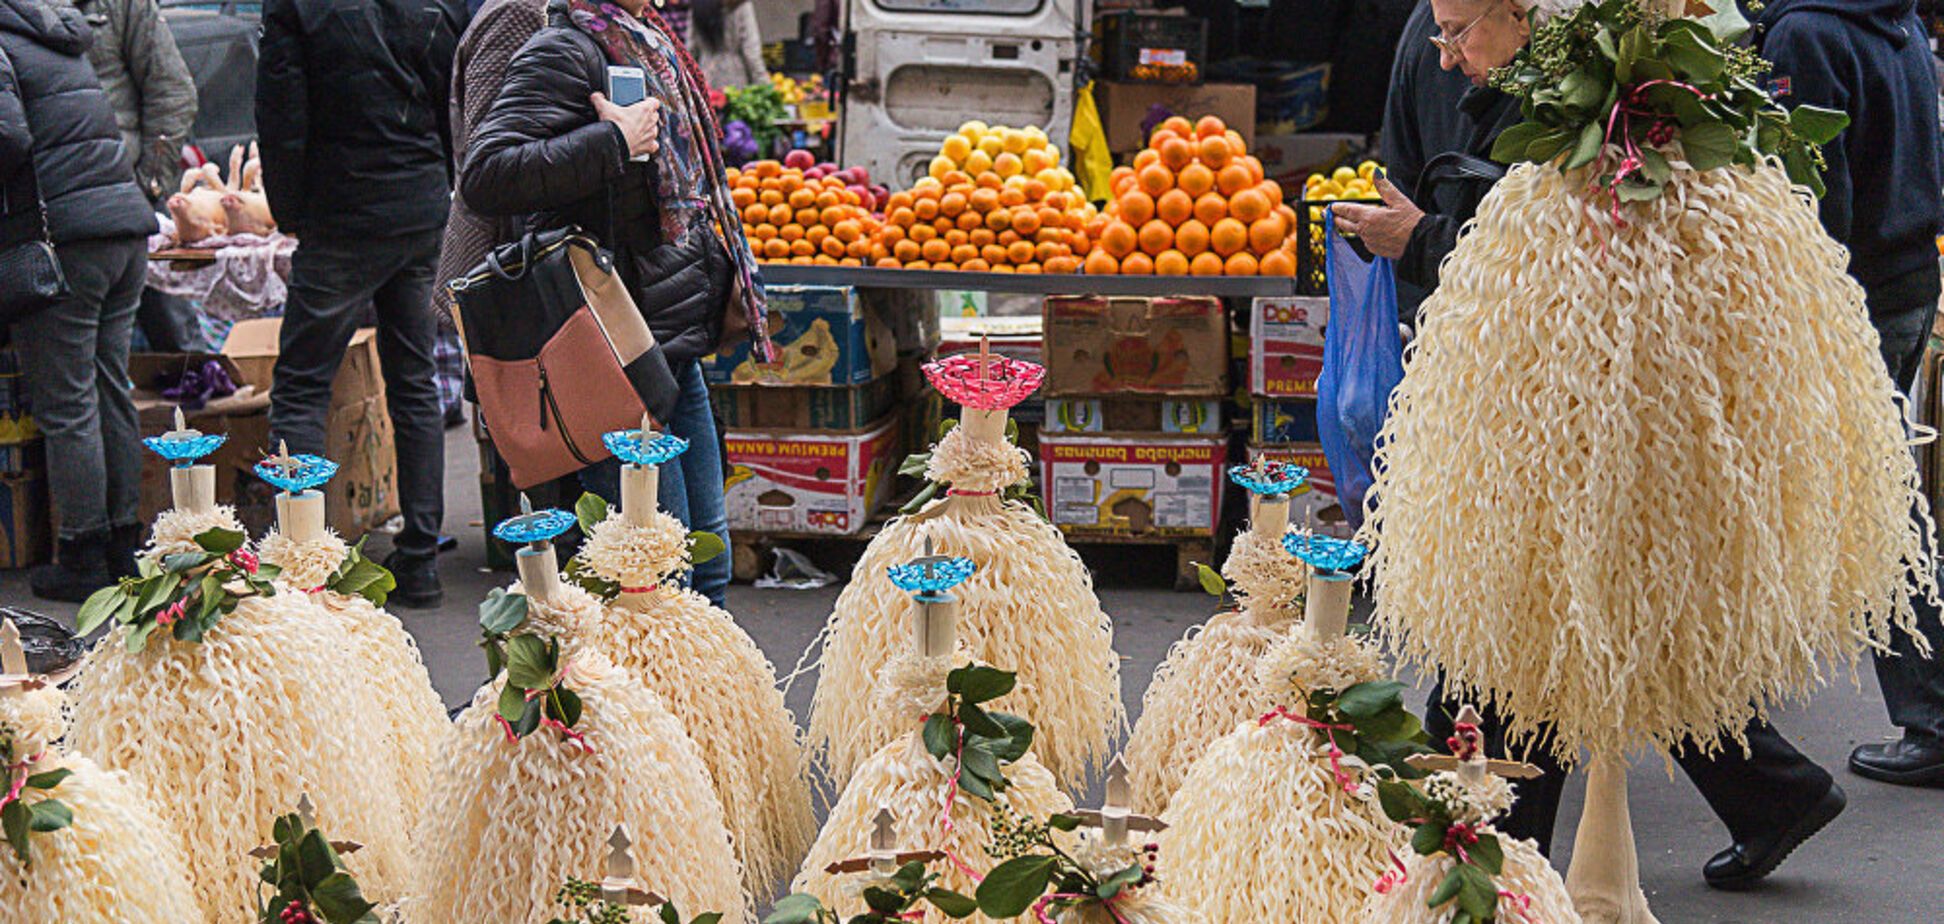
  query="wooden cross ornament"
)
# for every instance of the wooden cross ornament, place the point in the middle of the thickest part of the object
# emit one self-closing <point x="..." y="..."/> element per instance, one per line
<point x="1116" y="817"/>
<point x="13" y="662"/>
<point x="306" y="815"/>
<point x="884" y="856"/>
<point x="619" y="888"/>
<point x="1477" y="763"/>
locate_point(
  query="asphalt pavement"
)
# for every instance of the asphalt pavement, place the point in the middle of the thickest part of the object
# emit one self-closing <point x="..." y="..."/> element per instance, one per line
<point x="1881" y="862"/>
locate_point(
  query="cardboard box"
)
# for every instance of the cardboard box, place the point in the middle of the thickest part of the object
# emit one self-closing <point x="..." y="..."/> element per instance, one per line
<point x="1134" y="484"/>
<point x="1315" y="504"/>
<point x="1135" y="415"/>
<point x="1274" y="421"/>
<point x="810" y="482"/>
<point x="1154" y="346"/>
<point x="1289" y="159"/>
<point x="24" y="526"/>
<point x="1124" y="106"/>
<point x="800" y="408"/>
<point x="1286" y="345"/>
<point x="825" y="336"/>
<point x="253" y="344"/>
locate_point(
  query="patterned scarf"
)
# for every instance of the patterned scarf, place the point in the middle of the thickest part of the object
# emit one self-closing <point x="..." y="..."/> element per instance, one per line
<point x="689" y="167"/>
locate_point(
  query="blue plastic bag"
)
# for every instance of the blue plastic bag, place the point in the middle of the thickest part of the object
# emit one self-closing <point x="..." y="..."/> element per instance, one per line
<point x="1363" y="359"/>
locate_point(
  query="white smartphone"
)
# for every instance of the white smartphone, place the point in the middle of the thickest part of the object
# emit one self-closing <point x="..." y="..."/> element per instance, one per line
<point x="626" y="87"/>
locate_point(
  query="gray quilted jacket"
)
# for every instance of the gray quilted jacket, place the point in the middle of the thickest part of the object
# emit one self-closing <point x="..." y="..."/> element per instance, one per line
<point x="153" y="94"/>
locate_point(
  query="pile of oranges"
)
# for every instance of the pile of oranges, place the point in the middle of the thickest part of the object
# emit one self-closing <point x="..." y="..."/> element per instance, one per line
<point x="792" y="218"/>
<point x="1014" y="211"/>
<point x="1194" y="203"/>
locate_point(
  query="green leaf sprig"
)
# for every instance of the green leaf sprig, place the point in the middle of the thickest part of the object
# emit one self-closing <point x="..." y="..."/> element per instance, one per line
<point x="977" y="742"/>
<point x="886" y="903"/>
<point x="1478" y="856"/>
<point x="188" y="593"/>
<point x="310" y="880"/>
<point x="535" y="694"/>
<point x="358" y="576"/>
<point x="918" y="464"/>
<point x="584" y="906"/>
<point x="21" y="819"/>
<point x="1369" y="722"/>
<point x="1613" y="72"/>
<point x="590" y="511"/>
<point x="1040" y="873"/>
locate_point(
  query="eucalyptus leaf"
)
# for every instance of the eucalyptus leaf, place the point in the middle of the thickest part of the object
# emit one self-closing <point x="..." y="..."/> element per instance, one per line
<point x="1727" y="24"/>
<point x="528" y="663"/>
<point x="1511" y="144"/>
<point x="1708" y="145"/>
<point x="1014" y="885"/>
<point x="1654" y="166"/>
<point x="979" y="684"/>
<point x="1400" y="801"/>
<point x="316" y="861"/>
<point x="1478" y="896"/>
<point x="883" y="901"/>
<point x="979" y="723"/>
<point x="976" y="786"/>
<point x="1547" y="146"/>
<point x="1061" y="821"/>
<point x="48" y="780"/>
<point x="941" y="738"/>
<point x="1367" y="699"/>
<point x="1488" y="854"/>
<point x="220" y="541"/>
<point x="1211" y="580"/>
<point x="705" y="546"/>
<point x="1693" y="55"/>
<point x="138" y="636"/>
<point x="1447" y="889"/>
<point x="512" y="703"/>
<point x="502" y="612"/>
<point x="566" y="706"/>
<point x="1587" y="148"/>
<point x="339" y="900"/>
<point x="915" y="465"/>
<point x="590" y="511"/>
<point x="1112" y="885"/>
<point x="981" y="763"/>
<point x="1018" y="739"/>
<point x="49" y="815"/>
<point x="1428" y="839"/>
<point x="952" y="903"/>
<point x="99" y="607"/>
<point x="1639" y="192"/>
<point x="1817" y="125"/>
<point x="15" y="822"/>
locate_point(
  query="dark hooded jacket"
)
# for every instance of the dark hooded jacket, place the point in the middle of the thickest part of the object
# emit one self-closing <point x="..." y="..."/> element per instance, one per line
<point x="1870" y="59"/>
<point x="77" y="156"/>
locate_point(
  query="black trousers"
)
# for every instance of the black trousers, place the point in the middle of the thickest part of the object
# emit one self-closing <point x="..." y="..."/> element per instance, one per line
<point x="1761" y="791"/>
<point x="331" y="279"/>
<point x="1913" y="686"/>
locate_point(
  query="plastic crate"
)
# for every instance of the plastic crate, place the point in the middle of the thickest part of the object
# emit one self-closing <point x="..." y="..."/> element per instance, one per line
<point x="1312" y="277"/>
<point x="1153" y="47"/>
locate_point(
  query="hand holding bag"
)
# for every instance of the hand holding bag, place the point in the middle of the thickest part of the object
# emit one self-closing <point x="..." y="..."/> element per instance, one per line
<point x="1363" y="360"/>
<point x="559" y="353"/>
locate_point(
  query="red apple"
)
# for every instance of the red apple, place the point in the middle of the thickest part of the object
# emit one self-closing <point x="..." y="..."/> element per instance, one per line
<point x="800" y="159"/>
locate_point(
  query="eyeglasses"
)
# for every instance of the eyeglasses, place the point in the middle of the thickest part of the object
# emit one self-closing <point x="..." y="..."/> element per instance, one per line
<point x="1455" y="45"/>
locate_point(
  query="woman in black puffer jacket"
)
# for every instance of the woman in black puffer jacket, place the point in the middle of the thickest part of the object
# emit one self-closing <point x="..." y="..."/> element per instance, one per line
<point x="64" y="143"/>
<point x="647" y="181"/>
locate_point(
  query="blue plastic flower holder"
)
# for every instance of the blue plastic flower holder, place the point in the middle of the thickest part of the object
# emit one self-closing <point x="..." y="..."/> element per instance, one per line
<point x="183" y="450"/>
<point x="538" y="526"/>
<point x="931" y="575"/>
<point x="1269" y="478"/>
<point x="628" y="446"/>
<point x="297" y="474"/>
<point x="1325" y="553"/>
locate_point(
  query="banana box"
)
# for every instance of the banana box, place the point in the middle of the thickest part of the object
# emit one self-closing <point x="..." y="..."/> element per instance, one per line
<point x="1134" y="415"/>
<point x="1277" y="421"/>
<point x="1286" y="345"/>
<point x="1136" y="346"/>
<point x="825" y="336"/>
<point x="797" y="481"/>
<point x="1314" y="505"/>
<point x="1133" y="484"/>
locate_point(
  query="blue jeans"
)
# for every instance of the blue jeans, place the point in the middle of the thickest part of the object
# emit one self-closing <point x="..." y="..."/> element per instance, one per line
<point x="691" y="486"/>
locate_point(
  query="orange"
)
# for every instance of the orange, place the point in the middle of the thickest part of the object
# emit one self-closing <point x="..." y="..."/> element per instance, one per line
<point x="898" y="200"/>
<point x="998" y="220"/>
<point x="1205" y="264"/>
<point x="1271" y="190"/>
<point x="781" y="215"/>
<point x="956" y="238"/>
<point x="1147" y="157"/>
<point x="743" y="198"/>
<point x="1136" y="208"/>
<point x="926" y="209"/>
<point x="1174" y="207"/>
<point x="964" y="253"/>
<point x="809" y="216"/>
<point x="1252" y="165"/>
<point x="801" y="261"/>
<point x="1035" y="191"/>
<point x="755" y="214"/>
<point x="1118" y="239"/>
<point x="1021" y="252"/>
<point x="1156" y="236"/>
<point x="1100" y="263"/>
<point x="1029" y="268"/>
<point x="1277" y="263"/>
<point x="1051" y="218"/>
<point x="952" y="205"/>
<point x="1267" y="234"/>
<point x="1236" y="146"/>
<point x="828" y="198"/>
<point x="975" y="265"/>
<point x="903" y="216"/>
<point x="984" y="200"/>
<point x="1228" y="236"/>
<point x="776" y="248"/>
<point x="824" y="259"/>
<point x="1057" y="201"/>
<point x="816" y="234"/>
<point x="1191" y="238"/>
<point x="1241" y="264"/>
<point x="943" y="224"/>
<point x="1137" y="264"/>
<point x="982" y="237"/>
<point x="1211" y="208"/>
<point x="1063" y="265"/>
<point x="1120" y="179"/>
<point x="1233" y="179"/>
<point x="1012" y="196"/>
<point x="763" y="232"/>
<point x="969" y="220"/>
<point x="1025" y="220"/>
<point x="1171" y="263"/>
<point x="1215" y="152"/>
<point x="956" y="178"/>
<point x="831" y="246"/>
<point x="936" y="249"/>
<point x="802" y="248"/>
<point x="791" y="232"/>
<point x="993" y="254"/>
<point x="1195" y="180"/>
<point x="945" y="266"/>
<point x="916" y="265"/>
<point x="923" y="233"/>
<point x="906" y="251"/>
<point x="1178" y="125"/>
<point x="890" y="234"/>
<point x="847" y="230"/>
<point x="889" y="263"/>
<point x="1209" y="126"/>
<point x="1175" y="153"/>
<point x="1249" y="206"/>
<point x="1154" y="179"/>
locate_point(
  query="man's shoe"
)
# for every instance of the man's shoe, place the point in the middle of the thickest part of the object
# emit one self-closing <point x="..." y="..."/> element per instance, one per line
<point x="80" y="568"/>
<point x="1746" y="863"/>
<point x="123" y="544"/>
<point x="1910" y="762"/>
<point x="418" y="581"/>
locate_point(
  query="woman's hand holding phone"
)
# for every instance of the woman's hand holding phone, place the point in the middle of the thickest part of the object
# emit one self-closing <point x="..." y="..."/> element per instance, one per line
<point x="640" y="123"/>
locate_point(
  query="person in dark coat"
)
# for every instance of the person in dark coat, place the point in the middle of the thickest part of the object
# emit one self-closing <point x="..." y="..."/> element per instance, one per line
<point x="1870" y="59"/>
<point x="647" y="181"/>
<point x="65" y="149"/>
<point x="1422" y="119"/>
<point x="351" y="105"/>
<point x="1771" y="798"/>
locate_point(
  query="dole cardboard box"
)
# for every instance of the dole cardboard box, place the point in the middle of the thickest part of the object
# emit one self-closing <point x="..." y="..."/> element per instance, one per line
<point x="824" y="336"/>
<point x="1286" y="355"/>
<point x="1314" y="505"/>
<point x="810" y="481"/>
<point x="1129" y="345"/>
<point x="1134" y="415"/>
<point x="1133" y="484"/>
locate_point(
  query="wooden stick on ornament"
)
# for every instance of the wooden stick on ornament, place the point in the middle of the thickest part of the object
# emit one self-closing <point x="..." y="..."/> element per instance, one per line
<point x="884" y="856"/>
<point x="1116" y="817"/>
<point x="619" y="888"/>
<point x="306" y="816"/>
<point x="1474" y="764"/>
<point x="14" y="675"/>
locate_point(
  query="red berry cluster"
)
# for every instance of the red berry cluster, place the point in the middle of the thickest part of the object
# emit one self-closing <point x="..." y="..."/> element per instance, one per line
<point x="296" y="913"/>
<point x="1661" y="134"/>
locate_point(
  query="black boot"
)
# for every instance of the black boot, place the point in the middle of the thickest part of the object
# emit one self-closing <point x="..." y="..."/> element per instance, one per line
<point x="123" y="543"/>
<point x="418" y="581"/>
<point x="80" y="569"/>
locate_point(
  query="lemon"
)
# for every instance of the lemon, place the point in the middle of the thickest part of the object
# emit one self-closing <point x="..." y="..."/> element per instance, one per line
<point x="1016" y="182"/>
<point x="978" y="162"/>
<point x="1315" y="180"/>
<point x="956" y="147"/>
<point x="1343" y="175"/>
<point x="1368" y="170"/>
<point x="1035" y="136"/>
<point x="991" y="144"/>
<point x="974" y="130"/>
<point x="1056" y="180"/>
<point x="941" y="165"/>
<point x="1037" y="159"/>
<point x="1014" y="140"/>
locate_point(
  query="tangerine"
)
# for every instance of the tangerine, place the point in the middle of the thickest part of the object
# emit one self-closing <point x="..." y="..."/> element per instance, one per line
<point x="982" y="237"/>
<point x="743" y="197"/>
<point x="998" y="220"/>
<point x="1250" y="206"/>
<point x="984" y="200"/>
<point x="1174" y="207"/>
<point x="1175" y="153"/>
<point x="1233" y="179"/>
<point x="1063" y="265"/>
<point x="964" y="253"/>
<point x="956" y="238"/>
<point x="1136" y="208"/>
<point x="993" y="254"/>
<point x="1100" y="263"/>
<point x="1156" y="236"/>
<point x="1179" y="126"/>
<point x="1025" y="220"/>
<point x="922" y="233"/>
<point x="936" y="250"/>
<point x="802" y="248"/>
<point x="1228" y="236"/>
<point x="1205" y="264"/>
<point x="1241" y="264"/>
<point x="1211" y="208"/>
<point x="969" y="220"/>
<point x="1209" y="126"/>
<point x="1146" y="157"/>
<point x="776" y="248"/>
<point x="945" y="266"/>
<point x="1195" y="180"/>
<point x="1277" y="263"/>
<point x="1267" y="234"/>
<point x="1154" y="179"/>
<point x="889" y="263"/>
<point x="1137" y="264"/>
<point x="1254" y="166"/>
<point x="1170" y="263"/>
<point x="975" y="265"/>
<point x="1270" y="190"/>
<point x="926" y="209"/>
<point x="1191" y="238"/>
<point x="1236" y="146"/>
<point x="1118" y="239"/>
<point x="952" y="205"/>
<point x="791" y="232"/>
<point x="1215" y="152"/>
<point x="1021" y="252"/>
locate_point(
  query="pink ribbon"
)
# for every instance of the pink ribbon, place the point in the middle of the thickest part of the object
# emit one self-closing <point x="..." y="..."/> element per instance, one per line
<point x="945" y="825"/>
<point x="1521" y="903"/>
<point x="19" y="783"/>
<point x="955" y="492"/>
<point x="1631" y="159"/>
<point x="641" y="590"/>
<point x="1343" y="777"/>
<point x="1396" y="876"/>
